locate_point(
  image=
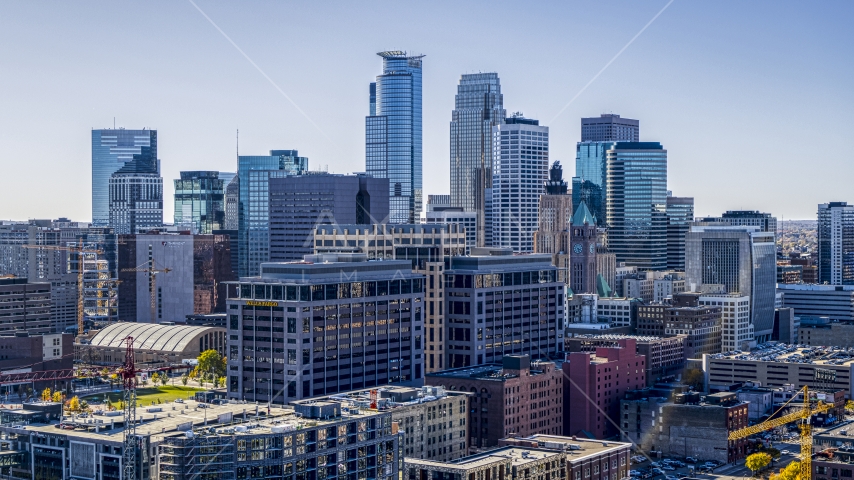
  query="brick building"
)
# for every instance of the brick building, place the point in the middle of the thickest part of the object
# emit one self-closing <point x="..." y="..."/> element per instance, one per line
<point x="515" y="398"/>
<point x="684" y="315"/>
<point x="665" y="356"/>
<point x="594" y="385"/>
<point x="25" y="306"/>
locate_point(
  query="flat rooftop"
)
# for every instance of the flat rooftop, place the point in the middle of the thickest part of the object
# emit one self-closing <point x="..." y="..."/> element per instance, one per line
<point x="785" y="353"/>
<point x="491" y="371"/>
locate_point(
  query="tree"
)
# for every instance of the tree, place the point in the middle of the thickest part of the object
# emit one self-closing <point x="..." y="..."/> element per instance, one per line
<point x="757" y="461"/>
<point x="74" y="404"/>
<point x="211" y="363"/>
<point x="791" y="472"/>
<point x="849" y="405"/>
<point x="163" y="379"/>
<point x="57" y="396"/>
<point x="693" y="377"/>
<point x="184" y="379"/>
<point x="155" y="378"/>
<point x="46" y="394"/>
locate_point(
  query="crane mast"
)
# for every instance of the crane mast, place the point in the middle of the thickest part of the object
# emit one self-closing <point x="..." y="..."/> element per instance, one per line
<point x="129" y="445"/>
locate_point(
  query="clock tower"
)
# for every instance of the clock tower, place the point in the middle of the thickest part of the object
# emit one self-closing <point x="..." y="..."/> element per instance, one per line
<point x="582" y="257"/>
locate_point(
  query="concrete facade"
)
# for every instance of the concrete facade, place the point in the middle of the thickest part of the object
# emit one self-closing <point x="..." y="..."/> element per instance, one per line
<point x="823" y="332"/>
<point x="835" y="302"/>
<point x="25" y="306"/>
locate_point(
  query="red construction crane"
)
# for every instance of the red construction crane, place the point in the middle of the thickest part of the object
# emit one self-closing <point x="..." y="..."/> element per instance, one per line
<point x="128" y="373"/>
<point x="374" y="399"/>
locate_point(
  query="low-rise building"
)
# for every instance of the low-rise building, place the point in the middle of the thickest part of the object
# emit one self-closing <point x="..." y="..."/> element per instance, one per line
<point x="835" y="302"/>
<point x="434" y="421"/>
<point x="824" y="332"/>
<point x="834" y="463"/>
<point x="665" y="356"/>
<point x="26" y="306"/>
<point x="516" y="397"/>
<point x="689" y="425"/>
<point x="538" y="457"/>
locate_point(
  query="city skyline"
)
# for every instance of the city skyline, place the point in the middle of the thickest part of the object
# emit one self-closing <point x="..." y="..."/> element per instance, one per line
<point x="202" y="90"/>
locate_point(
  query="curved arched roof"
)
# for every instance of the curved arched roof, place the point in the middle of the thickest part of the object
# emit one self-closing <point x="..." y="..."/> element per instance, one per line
<point x="149" y="336"/>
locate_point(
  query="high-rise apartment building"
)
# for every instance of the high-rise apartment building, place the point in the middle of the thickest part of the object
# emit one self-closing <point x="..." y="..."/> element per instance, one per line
<point x="253" y="221"/>
<point x="680" y="214"/>
<point x="519" y="171"/>
<point x="478" y="107"/>
<point x="299" y="203"/>
<point x="636" y="204"/>
<point x="199" y="201"/>
<point x="136" y="195"/>
<point x="328" y="324"/>
<point x="111" y="149"/>
<point x="393" y="133"/>
<point x="743" y="261"/>
<point x="836" y="243"/>
<point x="610" y="128"/>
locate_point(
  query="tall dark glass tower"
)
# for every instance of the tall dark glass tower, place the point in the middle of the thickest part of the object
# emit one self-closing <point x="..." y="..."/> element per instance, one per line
<point x="589" y="184"/>
<point x="478" y="106"/>
<point x="111" y="149"/>
<point x="636" y="204"/>
<point x="393" y="134"/>
<point x="200" y="201"/>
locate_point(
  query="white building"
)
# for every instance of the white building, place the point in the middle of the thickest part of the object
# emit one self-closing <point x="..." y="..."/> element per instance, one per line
<point x="737" y="330"/>
<point x="520" y="167"/>
<point x="468" y="220"/>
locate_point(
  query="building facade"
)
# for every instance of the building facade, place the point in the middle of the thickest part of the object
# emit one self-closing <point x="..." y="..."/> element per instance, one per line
<point x="737" y="332"/>
<point x="136" y="196"/>
<point x="520" y="165"/>
<point x="298" y="203"/>
<point x="349" y="324"/>
<point x="583" y="239"/>
<point x="835" y="236"/>
<point x="501" y="304"/>
<point x="25" y="305"/>
<point x="111" y="149"/>
<point x="555" y="215"/>
<point x="253" y="213"/>
<point x="836" y="302"/>
<point x="609" y="128"/>
<point x="595" y="382"/>
<point x="393" y="134"/>
<point x="680" y="214"/>
<point x="478" y="107"/>
<point x="515" y="397"/>
<point x="466" y="220"/>
<point x="636" y="204"/>
<point x="199" y="201"/>
<point x="665" y="356"/>
<point x="590" y="180"/>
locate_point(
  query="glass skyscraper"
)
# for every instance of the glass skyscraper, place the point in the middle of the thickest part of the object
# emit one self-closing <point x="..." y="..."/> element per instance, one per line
<point x="636" y="204"/>
<point x="253" y="215"/>
<point x="393" y="134"/>
<point x="136" y="195"/>
<point x="589" y="185"/>
<point x="111" y="149"/>
<point x="200" y="201"/>
<point x="478" y="106"/>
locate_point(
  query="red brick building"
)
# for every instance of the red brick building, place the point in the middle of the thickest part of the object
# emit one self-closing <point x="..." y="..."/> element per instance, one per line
<point x="594" y="385"/>
<point x="516" y="398"/>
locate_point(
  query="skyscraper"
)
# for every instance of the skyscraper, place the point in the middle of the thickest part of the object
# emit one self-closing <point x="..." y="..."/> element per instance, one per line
<point x="590" y="180"/>
<point x="199" y="201"/>
<point x="478" y="106"/>
<point x="111" y="149"/>
<point x="636" y="203"/>
<point x="836" y="243"/>
<point x="741" y="259"/>
<point x="393" y="134"/>
<point x="519" y="170"/>
<point x="609" y="128"/>
<point x="553" y="221"/>
<point x="136" y="195"/>
<point x="253" y="219"/>
<point x="680" y="214"/>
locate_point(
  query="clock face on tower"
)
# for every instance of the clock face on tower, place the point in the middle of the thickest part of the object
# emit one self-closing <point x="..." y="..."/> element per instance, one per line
<point x="592" y="248"/>
<point x="577" y="248"/>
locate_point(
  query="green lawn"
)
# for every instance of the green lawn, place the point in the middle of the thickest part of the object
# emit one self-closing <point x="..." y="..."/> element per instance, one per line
<point x="146" y="395"/>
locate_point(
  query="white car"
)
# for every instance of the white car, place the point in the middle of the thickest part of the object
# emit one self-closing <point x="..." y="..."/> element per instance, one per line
<point x="786" y="452"/>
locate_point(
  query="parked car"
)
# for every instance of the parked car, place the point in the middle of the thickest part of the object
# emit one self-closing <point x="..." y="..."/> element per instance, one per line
<point x="658" y="471"/>
<point x="691" y="459"/>
<point x="655" y="464"/>
<point x="785" y="452"/>
<point x="634" y="473"/>
<point x="671" y="477"/>
<point x="178" y="400"/>
<point x="668" y="468"/>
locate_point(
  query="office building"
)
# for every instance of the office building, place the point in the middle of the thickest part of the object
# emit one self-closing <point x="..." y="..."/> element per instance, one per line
<point x="29" y="352"/>
<point x="835" y="302"/>
<point x="590" y="180"/>
<point x="198" y="265"/>
<point x="686" y="426"/>
<point x="538" y="457"/>
<point x="393" y="134"/>
<point x="680" y="215"/>
<point x="519" y="170"/>
<point x="809" y="270"/>
<point x="514" y="397"/>
<point x="253" y="220"/>
<point x="199" y="201"/>
<point x="665" y="356"/>
<point x="609" y="128"/>
<point x="136" y="196"/>
<point x="737" y="332"/>
<point x="621" y="273"/>
<point x="700" y="320"/>
<point x="232" y="197"/>
<point x="478" y="107"/>
<point x="835" y="238"/>
<point x="351" y="324"/>
<point x="298" y="203"/>
<point x="743" y="261"/>
<point x="653" y="287"/>
<point x="601" y="312"/>
<point x="751" y="218"/>
<point x="25" y="305"/>
<point x="433" y="420"/>
<point x="111" y="150"/>
<point x="594" y="384"/>
<point x="779" y="365"/>
<point x="467" y="221"/>
<point x="14" y="259"/>
<point x="555" y="215"/>
<point x="499" y="304"/>
<point x="636" y="204"/>
<point x="606" y="268"/>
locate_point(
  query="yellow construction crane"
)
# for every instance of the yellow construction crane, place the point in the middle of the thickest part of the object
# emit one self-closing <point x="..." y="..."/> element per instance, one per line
<point x="801" y="415"/>
<point x="80" y="251"/>
<point x="148" y="267"/>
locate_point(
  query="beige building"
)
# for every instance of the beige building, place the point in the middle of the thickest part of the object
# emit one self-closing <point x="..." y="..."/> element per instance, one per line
<point x="154" y="344"/>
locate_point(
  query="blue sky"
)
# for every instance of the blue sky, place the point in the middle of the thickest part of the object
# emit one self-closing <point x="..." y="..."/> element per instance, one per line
<point x="752" y="100"/>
